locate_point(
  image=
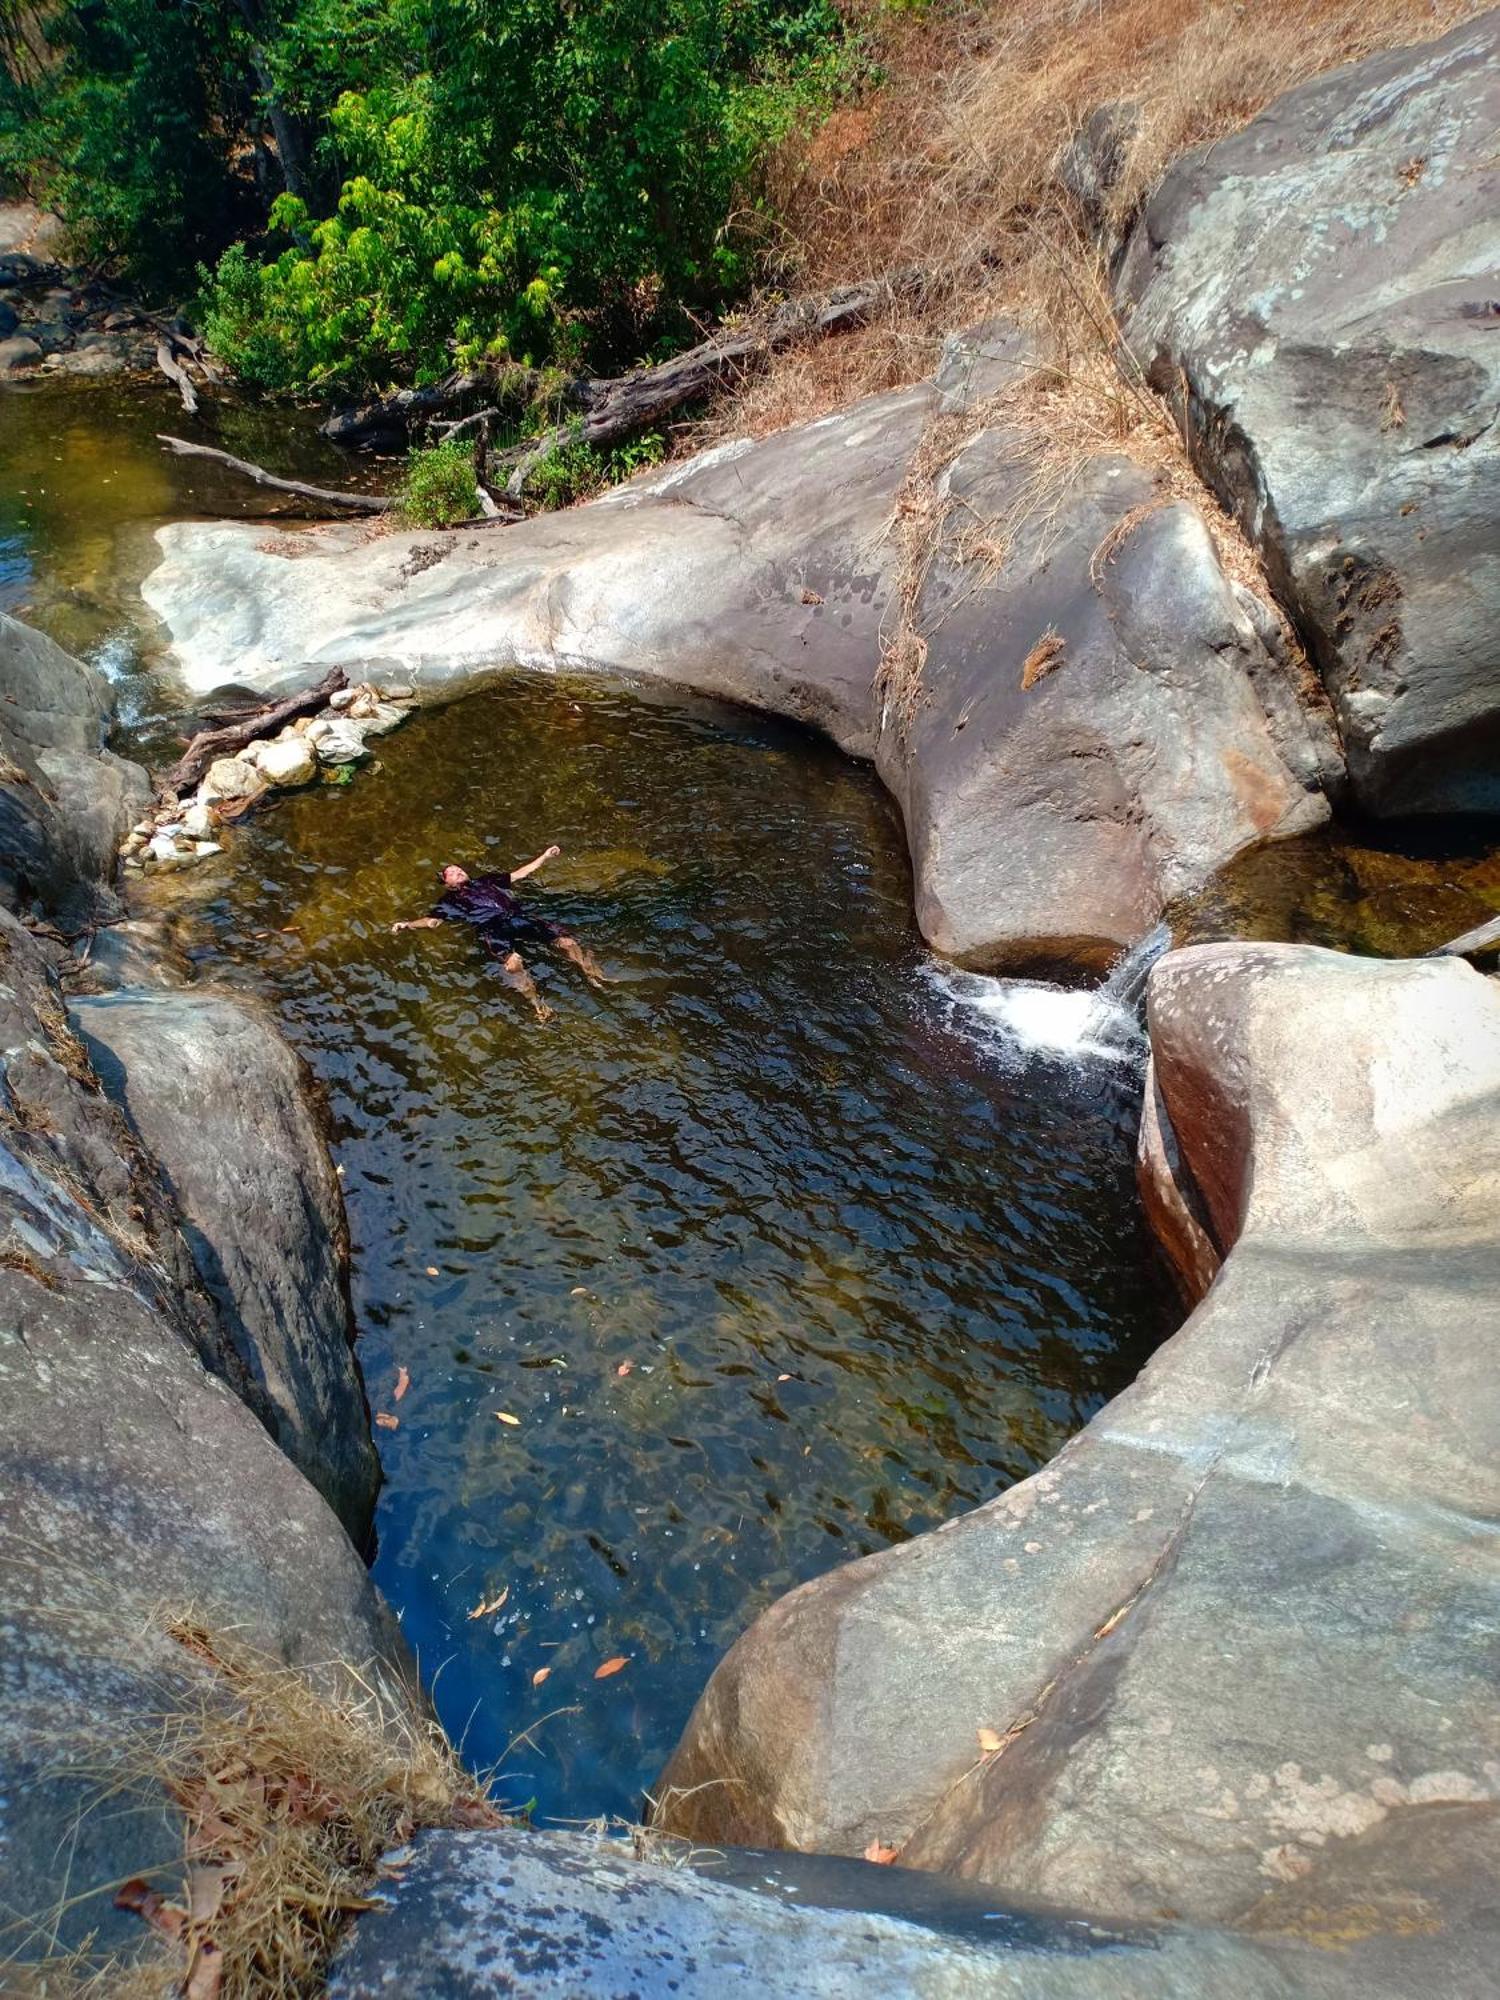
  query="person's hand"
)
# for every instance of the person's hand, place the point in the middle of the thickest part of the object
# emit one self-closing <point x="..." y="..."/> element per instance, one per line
<point x="553" y="852"/>
<point x="403" y="925"/>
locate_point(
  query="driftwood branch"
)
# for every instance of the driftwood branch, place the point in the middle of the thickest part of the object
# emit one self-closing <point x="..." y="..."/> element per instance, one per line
<point x="353" y="503"/>
<point x="610" y="408"/>
<point x="234" y="736"/>
<point x="1478" y="943"/>
<point x="176" y="374"/>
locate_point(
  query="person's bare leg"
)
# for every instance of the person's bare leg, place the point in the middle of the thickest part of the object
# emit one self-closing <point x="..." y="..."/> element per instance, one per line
<point x="513" y="972"/>
<point x="586" y="962"/>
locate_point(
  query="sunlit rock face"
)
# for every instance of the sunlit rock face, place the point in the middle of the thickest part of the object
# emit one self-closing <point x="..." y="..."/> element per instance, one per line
<point x="1323" y="287"/>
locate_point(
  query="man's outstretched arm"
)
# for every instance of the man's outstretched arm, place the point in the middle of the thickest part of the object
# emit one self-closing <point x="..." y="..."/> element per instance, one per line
<point x="418" y="924"/>
<point x="530" y="868"/>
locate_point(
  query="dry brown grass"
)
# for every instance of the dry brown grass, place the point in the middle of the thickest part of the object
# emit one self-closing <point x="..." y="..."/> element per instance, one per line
<point x="951" y="163"/>
<point x="290" y="1786"/>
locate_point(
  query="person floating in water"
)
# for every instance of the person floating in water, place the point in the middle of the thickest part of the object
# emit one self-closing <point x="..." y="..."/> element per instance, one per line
<point x="490" y="904"/>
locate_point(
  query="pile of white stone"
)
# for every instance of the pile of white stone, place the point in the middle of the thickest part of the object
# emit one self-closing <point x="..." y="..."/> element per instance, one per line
<point x="183" y="835"/>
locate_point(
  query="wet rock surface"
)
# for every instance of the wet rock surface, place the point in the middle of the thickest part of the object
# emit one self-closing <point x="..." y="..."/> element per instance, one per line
<point x="1324" y="284"/>
<point x="528" y="1912"/>
<point x="1303" y="1472"/>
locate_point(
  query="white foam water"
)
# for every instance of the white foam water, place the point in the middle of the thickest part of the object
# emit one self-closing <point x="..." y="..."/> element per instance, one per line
<point x="1026" y="1020"/>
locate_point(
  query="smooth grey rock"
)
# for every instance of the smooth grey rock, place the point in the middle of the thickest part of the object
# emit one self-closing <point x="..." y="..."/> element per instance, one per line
<point x="1325" y="283"/>
<point x="65" y="801"/>
<point x="1237" y="1641"/>
<point x="289" y="761"/>
<point x="1055" y="822"/>
<point x="137" y="952"/>
<point x="223" y="1106"/>
<point x="565" y="1915"/>
<point x="134" y="1486"/>
<point x="19" y="354"/>
<point x="1091" y="163"/>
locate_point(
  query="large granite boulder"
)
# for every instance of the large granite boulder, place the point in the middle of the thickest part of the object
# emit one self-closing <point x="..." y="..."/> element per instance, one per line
<point x="1230" y="1656"/>
<point x="135" y="1485"/>
<point x="65" y="801"/>
<point x="224" y="1108"/>
<point x="1049" y="820"/>
<point x="469" y="1915"/>
<point x="1097" y="734"/>
<point x="1324" y="284"/>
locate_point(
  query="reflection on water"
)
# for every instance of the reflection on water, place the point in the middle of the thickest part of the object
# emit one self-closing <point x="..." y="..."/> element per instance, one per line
<point x="770" y="1265"/>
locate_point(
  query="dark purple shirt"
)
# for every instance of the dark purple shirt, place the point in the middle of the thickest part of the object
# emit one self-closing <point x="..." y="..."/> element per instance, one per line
<point x="483" y="899"/>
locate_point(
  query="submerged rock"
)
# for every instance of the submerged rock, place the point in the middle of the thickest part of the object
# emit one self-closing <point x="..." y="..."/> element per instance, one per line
<point x="222" y="1104"/>
<point x="1324" y="284"/>
<point x="1230" y="1650"/>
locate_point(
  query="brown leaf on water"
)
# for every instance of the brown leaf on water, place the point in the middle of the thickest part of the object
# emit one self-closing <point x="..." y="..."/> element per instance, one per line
<point x="386" y="1421"/>
<point x="483" y="1610"/>
<point x="625" y="1367"/>
<point x="879" y="1853"/>
<point x="539" y="1676"/>
<point x="783" y="1378"/>
<point x="433" y="1271"/>
<point x="611" y="1667"/>
<point x="206" y="1974"/>
<point x="505" y="1417"/>
<point x="990" y="1741"/>
<point x="403" y="1382"/>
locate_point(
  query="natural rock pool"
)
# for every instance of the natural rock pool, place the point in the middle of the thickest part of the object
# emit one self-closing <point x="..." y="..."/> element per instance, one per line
<point x="770" y="1259"/>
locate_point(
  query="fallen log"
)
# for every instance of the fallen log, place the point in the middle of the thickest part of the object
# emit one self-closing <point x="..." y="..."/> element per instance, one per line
<point x="611" y="408"/>
<point x="324" y="496"/>
<point x="209" y="744"/>
<point x="1480" y="942"/>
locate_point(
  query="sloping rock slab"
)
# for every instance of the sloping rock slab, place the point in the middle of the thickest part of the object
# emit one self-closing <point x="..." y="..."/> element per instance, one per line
<point x="1236" y="1643"/>
<point x="471" y="1915"/>
<point x="65" y="801"/>
<point x="134" y="1486"/>
<point x="222" y="1105"/>
<point x="756" y="572"/>
<point x="1325" y="283"/>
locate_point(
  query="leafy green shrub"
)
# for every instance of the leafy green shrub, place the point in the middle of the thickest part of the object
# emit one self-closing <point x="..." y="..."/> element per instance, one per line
<point x="439" y="486"/>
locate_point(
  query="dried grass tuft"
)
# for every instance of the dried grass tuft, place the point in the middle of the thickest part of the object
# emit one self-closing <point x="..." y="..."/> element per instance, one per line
<point x="291" y="1786"/>
<point x="951" y="163"/>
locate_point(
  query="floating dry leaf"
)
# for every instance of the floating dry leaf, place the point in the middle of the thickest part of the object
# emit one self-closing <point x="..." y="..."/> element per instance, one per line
<point x="611" y="1667"/>
<point x="386" y="1421"/>
<point x="433" y="1272"/>
<point x="879" y="1853"/>
<point x="539" y="1676"/>
<point x="483" y="1610"/>
<point x="505" y="1417"/>
<point x="783" y="1378"/>
<point x="625" y="1367"/>
<point x="990" y="1741"/>
<point x="403" y="1382"/>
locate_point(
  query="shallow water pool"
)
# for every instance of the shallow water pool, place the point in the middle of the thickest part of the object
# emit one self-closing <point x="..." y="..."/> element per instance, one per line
<point x="772" y="1258"/>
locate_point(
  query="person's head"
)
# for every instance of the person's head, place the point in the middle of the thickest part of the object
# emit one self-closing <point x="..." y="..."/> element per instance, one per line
<point x="454" y="877"/>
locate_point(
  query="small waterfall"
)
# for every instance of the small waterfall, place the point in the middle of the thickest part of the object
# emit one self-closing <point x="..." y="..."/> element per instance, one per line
<point x="1028" y="1020"/>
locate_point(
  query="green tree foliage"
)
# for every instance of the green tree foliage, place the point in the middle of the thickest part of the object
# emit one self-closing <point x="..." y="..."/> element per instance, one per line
<point x="382" y="189"/>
